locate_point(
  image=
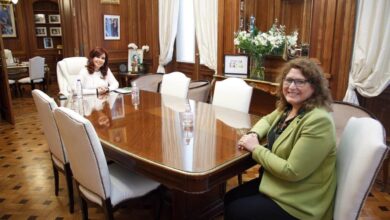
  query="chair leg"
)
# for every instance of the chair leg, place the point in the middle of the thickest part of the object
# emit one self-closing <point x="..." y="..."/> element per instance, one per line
<point x="69" y="183"/>
<point x="108" y="209"/>
<point x="385" y="170"/>
<point x="20" y="90"/>
<point x="84" y="207"/>
<point x="56" y="180"/>
<point x="239" y="178"/>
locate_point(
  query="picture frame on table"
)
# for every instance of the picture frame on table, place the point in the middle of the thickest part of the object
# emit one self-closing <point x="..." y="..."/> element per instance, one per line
<point x="55" y="32"/>
<point x="47" y="42"/>
<point x="236" y="65"/>
<point x="7" y="20"/>
<point x="112" y="30"/>
<point x="54" y="19"/>
<point x="40" y="31"/>
<point x="39" y="19"/>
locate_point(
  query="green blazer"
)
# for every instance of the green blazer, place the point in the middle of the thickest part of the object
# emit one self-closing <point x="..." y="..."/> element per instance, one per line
<point x="300" y="172"/>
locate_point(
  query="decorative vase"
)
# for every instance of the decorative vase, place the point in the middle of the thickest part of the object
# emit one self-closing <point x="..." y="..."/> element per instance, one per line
<point x="256" y="67"/>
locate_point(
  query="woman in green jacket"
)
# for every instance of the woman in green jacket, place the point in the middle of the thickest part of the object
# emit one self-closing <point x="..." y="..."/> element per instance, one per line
<point x="298" y="164"/>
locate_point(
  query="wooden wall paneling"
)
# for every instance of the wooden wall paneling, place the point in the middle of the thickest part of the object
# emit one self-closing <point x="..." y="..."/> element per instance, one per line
<point x="6" y="109"/>
<point x="342" y="47"/>
<point x="154" y="47"/>
<point x="19" y="44"/>
<point x="69" y="27"/>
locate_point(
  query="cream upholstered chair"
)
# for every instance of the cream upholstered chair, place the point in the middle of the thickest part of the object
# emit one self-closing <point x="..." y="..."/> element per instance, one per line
<point x="45" y="106"/>
<point x="343" y="111"/>
<point x="199" y="90"/>
<point x="175" y="84"/>
<point x="107" y="186"/>
<point x="36" y="72"/>
<point x="149" y="82"/>
<point x="68" y="70"/>
<point x="360" y="153"/>
<point x="233" y="93"/>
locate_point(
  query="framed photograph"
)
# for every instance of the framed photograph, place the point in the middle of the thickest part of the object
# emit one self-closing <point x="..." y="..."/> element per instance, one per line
<point x="110" y="2"/>
<point x="47" y="42"/>
<point x="54" y="19"/>
<point x="236" y="65"/>
<point x="7" y="20"/>
<point x="118" y="108"/>
<point x="112" y="27"/>
<point x="40" y="32"/>
<point x="55" y="32"/>
<point x="39" y="19"/>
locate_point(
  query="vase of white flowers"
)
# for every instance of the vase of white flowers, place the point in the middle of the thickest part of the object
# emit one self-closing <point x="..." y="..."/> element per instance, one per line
<point x="257" y="44"/>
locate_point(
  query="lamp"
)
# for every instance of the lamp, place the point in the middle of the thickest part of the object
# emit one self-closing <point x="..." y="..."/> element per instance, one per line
<point x="14" y="1"/>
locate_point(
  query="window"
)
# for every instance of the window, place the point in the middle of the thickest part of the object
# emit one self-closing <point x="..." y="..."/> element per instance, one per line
<point x="185" y="39"/>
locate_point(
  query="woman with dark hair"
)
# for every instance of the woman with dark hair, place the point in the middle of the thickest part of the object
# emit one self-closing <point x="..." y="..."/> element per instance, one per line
<point x="96" y="77"/>
<point x="298" y="162"/>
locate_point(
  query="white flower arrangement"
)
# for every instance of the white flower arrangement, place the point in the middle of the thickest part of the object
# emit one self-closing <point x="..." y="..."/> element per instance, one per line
<point x="259" y="43"/>
<point x="132" y="46"/>
<point x="145" y="48"/>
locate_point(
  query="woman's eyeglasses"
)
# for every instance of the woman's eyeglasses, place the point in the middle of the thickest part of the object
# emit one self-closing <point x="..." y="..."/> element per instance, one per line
<point x="297" y="82"/>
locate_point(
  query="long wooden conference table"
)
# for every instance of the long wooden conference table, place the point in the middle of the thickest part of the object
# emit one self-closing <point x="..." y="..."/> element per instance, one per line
<point x="149" y="137"/>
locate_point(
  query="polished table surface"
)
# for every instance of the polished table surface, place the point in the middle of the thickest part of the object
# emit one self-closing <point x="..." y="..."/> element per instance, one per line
<point x="151" y="139"/>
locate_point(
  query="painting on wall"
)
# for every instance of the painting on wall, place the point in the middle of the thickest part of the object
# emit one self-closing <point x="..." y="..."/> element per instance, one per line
<point x="7" y="20"/>
<point x="112" y="27"/>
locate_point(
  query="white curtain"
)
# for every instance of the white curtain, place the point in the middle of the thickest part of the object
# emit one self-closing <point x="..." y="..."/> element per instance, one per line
<point x="206" y="29"/>
<point x="168" y="13"/>
<point x="370" y="71"/>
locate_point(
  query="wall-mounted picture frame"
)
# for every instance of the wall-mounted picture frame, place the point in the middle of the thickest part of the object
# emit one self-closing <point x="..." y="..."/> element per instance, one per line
<point x="39" y="19"/>
<point x="55" y="31"/>
<point x="40" y="31"/>
<point x="47" y="42"/>
<point x="7" y="20"/>
<point x="54" y="19"/>
<point x="112" y="30"/>
<point x="236" y="65"/>
<point x="116" y="2"/>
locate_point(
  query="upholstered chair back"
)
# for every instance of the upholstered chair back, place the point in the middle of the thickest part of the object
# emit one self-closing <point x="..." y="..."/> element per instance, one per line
<point x="85" y="153"/>
<point x="343" y="111"/>
<point x="359" y="157"/>
<point x="233" y="93"/>
<point x="149" y="82"/>
<point x="45" y="106"/>
<point x="199" y="90"/>
<point x="36" y="68"/>
<point x="68" y="70"/>
<point x="175" y="84"/>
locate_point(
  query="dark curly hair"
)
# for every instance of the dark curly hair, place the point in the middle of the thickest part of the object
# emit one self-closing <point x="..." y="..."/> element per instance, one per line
<point x="97" y="52"/>
<point x="321" y="96"/>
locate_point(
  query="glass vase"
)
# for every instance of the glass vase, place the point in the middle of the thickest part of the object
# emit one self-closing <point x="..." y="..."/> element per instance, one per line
<point x="256" y="67"/>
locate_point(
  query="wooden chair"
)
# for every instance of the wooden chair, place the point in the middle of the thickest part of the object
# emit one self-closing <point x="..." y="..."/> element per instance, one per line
<point x="342" y="112"/>
<point x="105" y="185"/>
<point x="149" y="82"/>
<point x="199" y="90"/>
<point x="45" y="106"/>
<point x="175" y="84"/>
<point x="360" y="153"/>
<point x="36" y="72"/>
